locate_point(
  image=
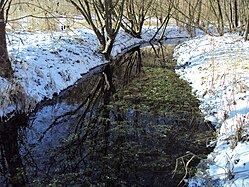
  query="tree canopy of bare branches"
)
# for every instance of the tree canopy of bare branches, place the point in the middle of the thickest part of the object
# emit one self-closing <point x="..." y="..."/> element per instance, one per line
<point x="104" y="16"/>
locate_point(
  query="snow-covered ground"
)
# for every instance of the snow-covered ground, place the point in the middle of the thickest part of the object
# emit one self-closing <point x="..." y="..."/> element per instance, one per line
<point x="218" y="70"/>
<point x="45" y="63"/>
<point x="216" y="67"/>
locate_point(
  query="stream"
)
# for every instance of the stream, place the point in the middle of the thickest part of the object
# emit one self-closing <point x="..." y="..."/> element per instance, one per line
<point x="129" y="123"/>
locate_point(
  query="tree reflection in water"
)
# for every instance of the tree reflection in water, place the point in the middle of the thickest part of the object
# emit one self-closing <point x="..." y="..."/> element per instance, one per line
<point x="97" y="133"/>
<point x="12" y="170"/>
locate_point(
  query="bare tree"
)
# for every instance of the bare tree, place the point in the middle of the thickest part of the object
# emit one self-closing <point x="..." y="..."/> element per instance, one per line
<point x="228" y="13"/>
<point x="135" y="15"/>
<point x="5" y="65"/>
<point x="236" y="16"/>
<point x="246" y="18"/>
<point x="101" y="15"/>
<point x="191" y="14"/>
<point x="246" y="30"/>
<point x="216" y="8"/>
<point x="231" y="13"/>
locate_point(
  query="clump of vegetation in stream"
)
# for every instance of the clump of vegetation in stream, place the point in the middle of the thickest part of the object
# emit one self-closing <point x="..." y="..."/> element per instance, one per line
<point x="159" y="91"/>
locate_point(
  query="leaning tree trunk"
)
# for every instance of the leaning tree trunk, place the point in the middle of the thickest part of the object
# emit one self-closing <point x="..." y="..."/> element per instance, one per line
<point x="247" y="30"/>
<point x="5" y="65"/>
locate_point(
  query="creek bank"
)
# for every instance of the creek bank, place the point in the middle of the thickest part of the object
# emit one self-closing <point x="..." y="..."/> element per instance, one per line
<point x="217" y="69"/>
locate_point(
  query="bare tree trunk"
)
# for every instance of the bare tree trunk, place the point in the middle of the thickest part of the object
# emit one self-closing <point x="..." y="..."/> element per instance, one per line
<point x="231" y="14"/>
<point x="247" y="30"/>
<point x="221" y="20"/>
<point x="5" y="65"/>
<point x="236" y="19"/>
<point x="199" y="10"/>
<point x="165" y="27"/>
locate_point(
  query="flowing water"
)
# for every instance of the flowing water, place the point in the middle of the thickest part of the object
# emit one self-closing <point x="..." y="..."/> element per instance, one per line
<point x="130" y="123"/>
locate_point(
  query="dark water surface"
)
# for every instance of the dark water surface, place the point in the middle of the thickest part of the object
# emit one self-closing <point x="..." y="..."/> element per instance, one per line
<point x="124" y="124"/>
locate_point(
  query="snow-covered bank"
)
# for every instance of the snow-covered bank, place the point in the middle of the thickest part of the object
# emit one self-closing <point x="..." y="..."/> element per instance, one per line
<point x="45" y="63"/>
<point x="218" y="70"/>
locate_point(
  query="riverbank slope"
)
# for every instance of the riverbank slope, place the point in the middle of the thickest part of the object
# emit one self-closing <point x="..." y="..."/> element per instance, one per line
<point x="218" y="70"/>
